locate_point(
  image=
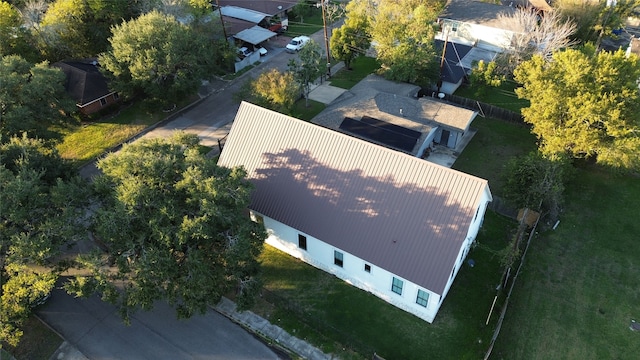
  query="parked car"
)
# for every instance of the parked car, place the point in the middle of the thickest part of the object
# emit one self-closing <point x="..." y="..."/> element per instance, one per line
<point x="244" y="52"/>
<point x="262" y="50"/>
<point x="297" y="43"/>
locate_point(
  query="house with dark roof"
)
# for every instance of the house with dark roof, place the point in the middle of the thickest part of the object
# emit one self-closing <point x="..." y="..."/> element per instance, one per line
<point x="382" y="220"/>
<point x="397" y="105"/>
<point x="457" y="62"/>
<point x="86" y="85"/>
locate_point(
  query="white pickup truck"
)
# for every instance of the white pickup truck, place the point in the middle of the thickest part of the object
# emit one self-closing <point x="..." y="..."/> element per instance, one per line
<point x="297" y="43"/>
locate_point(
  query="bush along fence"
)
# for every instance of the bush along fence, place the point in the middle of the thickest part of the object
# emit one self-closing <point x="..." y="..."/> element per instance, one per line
<point x="509" y="279"/>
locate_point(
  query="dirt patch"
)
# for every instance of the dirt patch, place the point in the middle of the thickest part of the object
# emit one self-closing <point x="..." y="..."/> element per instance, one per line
<point x="279" y="41"/>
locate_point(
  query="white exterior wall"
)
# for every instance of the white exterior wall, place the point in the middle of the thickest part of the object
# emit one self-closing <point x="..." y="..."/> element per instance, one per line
<point x="378" y="281"/>
<point x="427" y="141"/>
<point x="471" y="236"/>
<point x="484" y="37"/>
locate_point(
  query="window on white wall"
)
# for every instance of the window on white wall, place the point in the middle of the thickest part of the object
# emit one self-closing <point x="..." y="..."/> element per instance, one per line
<point x="367" y="268"/>
<point x="396" y="286"/>
<point x="338" y="258"/>
<point x="422" y="298"/>
<point x="302" y="242"/>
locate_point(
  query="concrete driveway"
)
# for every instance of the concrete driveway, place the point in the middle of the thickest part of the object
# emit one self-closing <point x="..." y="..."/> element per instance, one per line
<point x="95" y="328"/>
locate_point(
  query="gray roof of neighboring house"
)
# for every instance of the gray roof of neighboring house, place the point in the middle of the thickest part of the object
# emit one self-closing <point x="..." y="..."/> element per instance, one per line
<point x="269" y="7"/>
<point x="475" y="12"/>
<point x="395" y="211"/>
<point x="255" y="35"/>
<point x="243" y="14"/>
<point x="383" y="99"/>
<point x="84" y="81"/>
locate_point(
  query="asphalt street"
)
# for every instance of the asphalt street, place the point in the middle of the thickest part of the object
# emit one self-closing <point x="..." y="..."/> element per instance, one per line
<point x="96" y="329"/>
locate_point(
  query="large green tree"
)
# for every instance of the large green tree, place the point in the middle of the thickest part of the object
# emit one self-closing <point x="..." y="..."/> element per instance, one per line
<point x="308" y="67"/>
<point x="275" y="90"/>
<point x="39" y="213"/>
<point x="176" y="228"/>
<point x="585" y="104"/>
<point x="156" y="55"/>
<point x="79" y="28"/>
<point x="403" y="32"/>
<point x="595" y="19"/>
<point x="32" y="98"/>
<point x="352" y="39"/>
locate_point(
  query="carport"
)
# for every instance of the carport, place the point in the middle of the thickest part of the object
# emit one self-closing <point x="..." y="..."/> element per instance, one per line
<point x="255" y="35"/>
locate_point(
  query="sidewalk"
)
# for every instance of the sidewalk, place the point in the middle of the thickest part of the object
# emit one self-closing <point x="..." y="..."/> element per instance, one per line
<point x="260" y="326"/>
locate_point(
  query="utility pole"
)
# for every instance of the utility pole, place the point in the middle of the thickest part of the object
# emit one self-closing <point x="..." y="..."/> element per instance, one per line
<point x="224" y="30"/>
<point x="326" y="37"/>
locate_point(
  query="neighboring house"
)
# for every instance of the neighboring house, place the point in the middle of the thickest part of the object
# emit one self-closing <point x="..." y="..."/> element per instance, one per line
<point x="476" y="24"/>
<point x="397" y="106"/>
<point x="272" y="8"/>
<point x="87" y="86"/>
<point x="384" y="221"/>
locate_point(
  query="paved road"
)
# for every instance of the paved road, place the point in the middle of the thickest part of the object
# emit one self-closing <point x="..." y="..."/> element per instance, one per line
<point x="209" y="118"/>
<point x="96" y="329"/>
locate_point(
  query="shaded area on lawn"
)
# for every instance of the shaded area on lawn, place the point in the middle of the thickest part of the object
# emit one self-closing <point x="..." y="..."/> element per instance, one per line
<point x="38" y="341"/>
<point x="323" y="309"/>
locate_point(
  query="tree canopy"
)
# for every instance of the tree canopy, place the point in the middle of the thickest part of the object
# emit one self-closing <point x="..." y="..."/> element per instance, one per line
<point x="156" y="55"/>
<point x="533" y="34"/>
<point x="403" y="32"/>
<point x="352" y="39"/>
<point x="176" y="227"/>
<point x="275" y="90"/>
<point x="308" y="67"/>
<point x="585" y="104"/>
<point x="78" y="28"/>
<point x="38" y="214"/>
<point x="32" y="98"/>
<point x="595" y="19"/>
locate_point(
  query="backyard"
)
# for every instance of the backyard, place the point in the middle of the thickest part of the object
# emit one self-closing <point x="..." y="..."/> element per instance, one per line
<point x="579" y="288"/>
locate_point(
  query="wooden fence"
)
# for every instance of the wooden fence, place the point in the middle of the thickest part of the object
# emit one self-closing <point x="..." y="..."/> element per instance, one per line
<point x="487" y="110"/>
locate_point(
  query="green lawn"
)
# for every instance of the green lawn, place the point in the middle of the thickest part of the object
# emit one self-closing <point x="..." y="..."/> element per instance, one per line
<point x="336" y="316"/>
<point x="38" y="342"/>
<point x="579" y="286"/>
<point x="503" y="96"/>
<point x="309" y="24"/>
<point x="360" y="68"/>
<point x="89" y="140"/>
<point x="494" y="143"/>
<point x="302" y="111"/>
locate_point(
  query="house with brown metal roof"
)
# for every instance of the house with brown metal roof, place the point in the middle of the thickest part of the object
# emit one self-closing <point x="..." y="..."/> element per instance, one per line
<point x="382" y="220"/>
